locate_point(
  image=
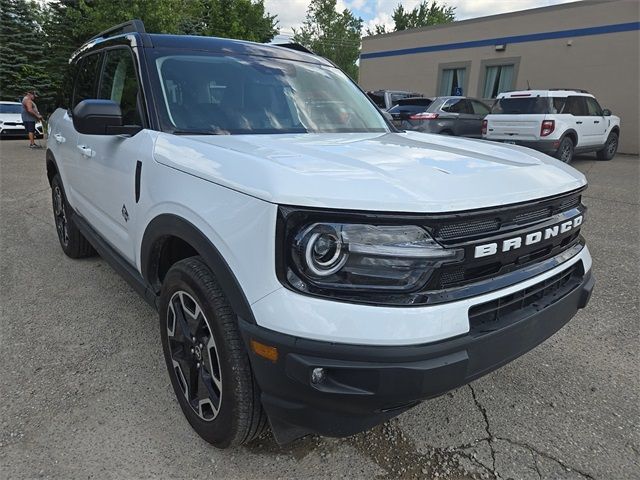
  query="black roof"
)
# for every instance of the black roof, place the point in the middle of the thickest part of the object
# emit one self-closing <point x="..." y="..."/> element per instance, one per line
<point x="233" y="47"/>
<point x="134" y="32"/>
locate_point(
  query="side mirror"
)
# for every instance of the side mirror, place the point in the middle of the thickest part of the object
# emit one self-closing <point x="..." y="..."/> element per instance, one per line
<point x="606" y="112"/>
<point x="101" y="117"/>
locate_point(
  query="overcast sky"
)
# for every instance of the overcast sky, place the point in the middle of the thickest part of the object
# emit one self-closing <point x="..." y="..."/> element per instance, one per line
<point x="291" y="13"/>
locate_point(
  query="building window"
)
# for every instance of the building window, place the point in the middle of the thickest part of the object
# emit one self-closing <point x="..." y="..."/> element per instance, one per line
<point x="452" y="81"/>
<point x="498" y="79"/>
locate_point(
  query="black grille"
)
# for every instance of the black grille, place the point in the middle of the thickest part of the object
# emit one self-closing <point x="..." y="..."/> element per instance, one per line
<point x="534" y="215"/>
<point x="498" y="313"/>
<point x="466" y="229"/>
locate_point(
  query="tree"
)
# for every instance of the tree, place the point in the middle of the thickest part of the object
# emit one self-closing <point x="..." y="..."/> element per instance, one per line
<point x="22" y="60"/>
<point x="332" y="34"/>
<point x="423" y="15"/>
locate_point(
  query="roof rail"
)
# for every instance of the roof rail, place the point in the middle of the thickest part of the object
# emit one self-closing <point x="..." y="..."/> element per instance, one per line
<point x="132" y="26"/>
<point x="570" y="90"/>
<point x="293" y="46"/>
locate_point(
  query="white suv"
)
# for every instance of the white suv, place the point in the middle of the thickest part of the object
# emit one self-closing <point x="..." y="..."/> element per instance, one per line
<point x="310" y="264"/>
<point x="557" y="122"/>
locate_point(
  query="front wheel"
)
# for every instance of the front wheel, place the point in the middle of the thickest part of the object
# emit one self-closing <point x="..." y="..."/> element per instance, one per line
<point x="565" y="150"/>
<point x="205" y="355"/>
<point x="610" y="147"/>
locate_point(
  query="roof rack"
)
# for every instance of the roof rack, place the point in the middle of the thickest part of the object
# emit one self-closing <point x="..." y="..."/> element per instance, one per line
<point x="132" y="26"/>
<point x="292" y="46"/>
<point x="569" y="89"/>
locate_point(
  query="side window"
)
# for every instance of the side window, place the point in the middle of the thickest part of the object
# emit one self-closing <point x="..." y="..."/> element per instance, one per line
<point x="86" y="78"/>
<point x="479" y="108"/>
<point x="593" y="107"/>
<point x="576" y="106"/>
<point x="120" y="84"/>
<point x="458" y="105"/>
<point x="558" y="105"/>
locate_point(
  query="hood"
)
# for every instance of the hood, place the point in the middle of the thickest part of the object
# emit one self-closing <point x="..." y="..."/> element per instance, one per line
<point x="402" y="172"/>
<point x="11" y="117"/>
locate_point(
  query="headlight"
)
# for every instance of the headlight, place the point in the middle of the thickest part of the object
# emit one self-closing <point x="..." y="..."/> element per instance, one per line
<point x="344" y="259"/>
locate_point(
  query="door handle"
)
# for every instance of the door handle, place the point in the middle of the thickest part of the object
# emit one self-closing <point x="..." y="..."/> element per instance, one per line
<point x="596" y="121"/>
<point x="59" y="138"/>
<point x="86" y="151"/>
<point x="579" y="123"/>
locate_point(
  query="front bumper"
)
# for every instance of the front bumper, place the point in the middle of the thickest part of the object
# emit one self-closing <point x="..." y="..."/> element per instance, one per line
<point x="18" y="131"/>
<point x="364" y="385"/>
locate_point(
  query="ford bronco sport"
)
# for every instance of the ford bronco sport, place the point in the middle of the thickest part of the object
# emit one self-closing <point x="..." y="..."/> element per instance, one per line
<point x="312" y="267"/>
<point x="556" y="122"/>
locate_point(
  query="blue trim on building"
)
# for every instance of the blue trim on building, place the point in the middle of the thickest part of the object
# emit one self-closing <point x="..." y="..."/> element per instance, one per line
<point x="532" y="37"/>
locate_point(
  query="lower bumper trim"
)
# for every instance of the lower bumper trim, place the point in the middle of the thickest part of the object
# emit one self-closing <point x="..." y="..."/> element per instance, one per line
<point x="366" y="385"/>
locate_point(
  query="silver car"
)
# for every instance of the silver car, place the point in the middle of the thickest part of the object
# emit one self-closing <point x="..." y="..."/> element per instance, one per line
<point x="459" y="116"/>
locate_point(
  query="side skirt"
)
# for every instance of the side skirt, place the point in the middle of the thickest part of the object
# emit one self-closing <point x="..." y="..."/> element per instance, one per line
<point x="117" y="262"/>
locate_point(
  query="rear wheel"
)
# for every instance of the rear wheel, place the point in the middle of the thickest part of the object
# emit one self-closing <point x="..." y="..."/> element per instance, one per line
<point x="565" y="150"/>
<point x="205" y="355"/>
<point x="71" y="240"/>
<point x="610" y="147"/>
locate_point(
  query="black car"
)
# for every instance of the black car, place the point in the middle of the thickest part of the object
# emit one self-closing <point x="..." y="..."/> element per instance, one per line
<point x="459" y="116"/>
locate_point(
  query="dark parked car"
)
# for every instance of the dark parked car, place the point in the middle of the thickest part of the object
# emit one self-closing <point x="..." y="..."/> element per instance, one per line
<point x="385" y="99"/>
<point x="447" y="115"/>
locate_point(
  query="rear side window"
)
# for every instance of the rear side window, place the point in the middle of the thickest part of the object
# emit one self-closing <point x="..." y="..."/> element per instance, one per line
<point x="457" y="105"/>
<point x="479" y="108"/>
<point x="86" y="78"/>
<point x="576" y="106"/>
<point x="120" y="84"/>
<point x="522" y="106"/>
<point x="558" y="104"/>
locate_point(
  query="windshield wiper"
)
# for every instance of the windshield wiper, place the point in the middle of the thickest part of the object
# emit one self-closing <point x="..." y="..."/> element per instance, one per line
<point x="200" y="132"/>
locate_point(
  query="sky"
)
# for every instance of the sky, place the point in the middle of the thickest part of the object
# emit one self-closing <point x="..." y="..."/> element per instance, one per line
<point x="291" y="13"/>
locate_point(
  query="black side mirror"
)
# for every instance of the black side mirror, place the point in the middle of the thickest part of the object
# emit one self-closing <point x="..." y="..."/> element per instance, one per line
<point x="101" y="117"/>
<point x="606" y="112"/>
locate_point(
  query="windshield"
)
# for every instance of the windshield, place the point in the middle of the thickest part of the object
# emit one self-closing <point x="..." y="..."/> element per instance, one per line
<point x="10" y="108"/>
<point x="214" y="94"/>
<point x="529" y="105"/>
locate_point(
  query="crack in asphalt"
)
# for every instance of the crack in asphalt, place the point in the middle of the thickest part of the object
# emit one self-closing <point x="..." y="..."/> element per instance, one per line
<point x="532" y="450"/>
<point x="547" y="456"/>
<point x="490" y="438"/>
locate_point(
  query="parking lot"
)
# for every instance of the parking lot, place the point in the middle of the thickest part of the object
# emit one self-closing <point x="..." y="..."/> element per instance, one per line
<point x="85" y="393"/>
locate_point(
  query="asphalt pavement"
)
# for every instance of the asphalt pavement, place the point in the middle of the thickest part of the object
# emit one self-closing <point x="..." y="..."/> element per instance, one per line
<point x="84" y="392"/>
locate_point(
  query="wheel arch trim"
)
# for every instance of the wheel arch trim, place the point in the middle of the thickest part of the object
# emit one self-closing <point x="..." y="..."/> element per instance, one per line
<point x="170" y="225"/>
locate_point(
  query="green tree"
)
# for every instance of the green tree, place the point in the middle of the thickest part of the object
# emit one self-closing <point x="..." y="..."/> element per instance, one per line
<point x="332" y="34"/>
<point x="422" y="15"/>
<point x="22" y="60"/>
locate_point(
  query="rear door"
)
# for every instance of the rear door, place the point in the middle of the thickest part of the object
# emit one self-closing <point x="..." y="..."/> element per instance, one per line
<point x="480" y="110"/>
<point x="65" y="134"/>
<point x="588" y="130"/>
<point x="517" y="118"/>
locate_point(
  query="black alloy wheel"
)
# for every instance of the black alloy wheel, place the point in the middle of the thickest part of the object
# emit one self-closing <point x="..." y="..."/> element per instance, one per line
<point x="565" y="150"/>
<point x="60" y="215"/>
<point x="194" y="355"/>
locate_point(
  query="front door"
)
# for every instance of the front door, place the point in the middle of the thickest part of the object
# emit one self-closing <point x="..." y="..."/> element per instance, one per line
<point x="107" y="186"/>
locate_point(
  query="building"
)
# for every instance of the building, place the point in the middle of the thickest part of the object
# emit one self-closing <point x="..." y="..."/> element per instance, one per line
<point x="591" y="45"/>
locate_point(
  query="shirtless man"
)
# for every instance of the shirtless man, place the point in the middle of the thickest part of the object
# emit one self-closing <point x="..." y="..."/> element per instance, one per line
<point x="30" y="115"/>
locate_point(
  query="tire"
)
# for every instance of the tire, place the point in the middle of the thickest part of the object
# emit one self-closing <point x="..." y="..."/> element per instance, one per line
<point x="565" y="150"/>
<point x="205" y="354"/>
<point x="73" y="243"/>
<point x="610" y="147"/>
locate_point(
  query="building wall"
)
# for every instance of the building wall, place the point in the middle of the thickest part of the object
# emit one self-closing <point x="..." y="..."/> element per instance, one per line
<point x="605" y="64"/>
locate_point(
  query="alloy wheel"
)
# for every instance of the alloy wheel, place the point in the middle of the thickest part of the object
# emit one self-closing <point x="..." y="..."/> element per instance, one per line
<point x="565" y="155"/>
<point x="612" y="147"/>
<point x="60" y="213"/>
<point x="194" y="355"/>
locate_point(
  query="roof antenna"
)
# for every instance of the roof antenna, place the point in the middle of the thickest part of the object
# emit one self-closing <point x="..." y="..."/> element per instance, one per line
<point x="528" y="87"/>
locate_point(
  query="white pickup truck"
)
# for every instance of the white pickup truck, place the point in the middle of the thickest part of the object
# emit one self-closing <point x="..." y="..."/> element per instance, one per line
<point x="312" y="266"/>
